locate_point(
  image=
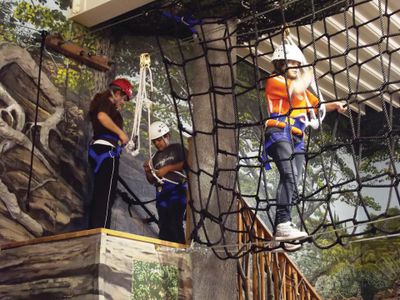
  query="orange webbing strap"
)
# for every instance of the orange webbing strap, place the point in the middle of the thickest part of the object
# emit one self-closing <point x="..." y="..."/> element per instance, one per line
<point x="279" y="124"/>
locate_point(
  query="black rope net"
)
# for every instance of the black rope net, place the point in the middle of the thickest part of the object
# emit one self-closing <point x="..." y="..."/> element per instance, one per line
<point x="350" y="186"/>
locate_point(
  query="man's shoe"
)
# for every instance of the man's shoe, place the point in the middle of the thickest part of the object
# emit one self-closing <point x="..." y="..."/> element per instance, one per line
<point x="288" y="232"/>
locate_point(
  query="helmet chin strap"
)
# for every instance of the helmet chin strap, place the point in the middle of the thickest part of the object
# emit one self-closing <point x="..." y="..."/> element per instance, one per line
<point x="113" y="96"/>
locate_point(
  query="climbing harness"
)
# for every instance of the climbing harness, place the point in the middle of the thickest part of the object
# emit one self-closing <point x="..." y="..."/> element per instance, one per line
<point x="162" y="180"/>
<point x="99" y="158"/>
<point x="142" y="100"/>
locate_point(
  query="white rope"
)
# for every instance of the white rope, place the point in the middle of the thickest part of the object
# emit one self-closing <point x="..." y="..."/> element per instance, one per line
<point x="161" y="180"/>
<point x="142" y="101"/>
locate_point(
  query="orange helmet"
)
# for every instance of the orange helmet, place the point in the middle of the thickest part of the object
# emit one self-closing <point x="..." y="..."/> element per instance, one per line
<point x="124" y="85"/>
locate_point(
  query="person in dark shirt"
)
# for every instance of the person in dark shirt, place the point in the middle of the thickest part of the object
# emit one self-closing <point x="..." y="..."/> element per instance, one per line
<point x="105" y="148"/>
<point x="166" y="171"/>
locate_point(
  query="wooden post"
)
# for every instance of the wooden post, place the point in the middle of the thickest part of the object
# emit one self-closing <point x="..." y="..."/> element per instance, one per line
<point x="289" y="279"/>
<point x="255" y="267"/>
<point x="262" y="267"/>
<point x="188" y="226"/>
<point x="239" y="241"/>
<point x="276" y="276"/>
<point x="78" y="53"/>
<point x="296" y="285"/>
<point x="282" y="267"/>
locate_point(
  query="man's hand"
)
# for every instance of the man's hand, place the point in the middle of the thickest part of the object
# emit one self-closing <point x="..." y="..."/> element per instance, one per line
<point x="163" y="171"/>
<point x="123" y="138"/>
<point x="340" y="107"/>
<point x="146" y="166"/>
<point x="149" y="176"/>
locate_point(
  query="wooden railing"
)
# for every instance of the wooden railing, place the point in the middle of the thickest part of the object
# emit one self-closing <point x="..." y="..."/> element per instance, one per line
<point x="267" y="275"/>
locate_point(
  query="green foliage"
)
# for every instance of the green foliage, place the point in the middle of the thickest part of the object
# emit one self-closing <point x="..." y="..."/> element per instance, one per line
<point x="154" y="281"/>
<point x="39" y="16"/>
<point x="7" y="31"/>
<point x="363" y="268"/>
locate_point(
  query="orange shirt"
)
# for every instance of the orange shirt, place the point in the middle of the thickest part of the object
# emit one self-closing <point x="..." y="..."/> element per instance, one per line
<point x="278" y="101"/>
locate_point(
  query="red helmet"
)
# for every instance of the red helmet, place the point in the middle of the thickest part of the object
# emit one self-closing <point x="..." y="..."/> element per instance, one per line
<point x="124" y="85"/>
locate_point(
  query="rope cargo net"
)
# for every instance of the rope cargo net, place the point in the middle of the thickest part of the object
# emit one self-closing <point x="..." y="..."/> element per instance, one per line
<point x="349" y="189"/>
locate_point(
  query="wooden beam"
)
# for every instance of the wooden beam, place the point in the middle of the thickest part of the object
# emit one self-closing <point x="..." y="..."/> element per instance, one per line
<point x="81" y="55"/>
<point x="78" y="234"/>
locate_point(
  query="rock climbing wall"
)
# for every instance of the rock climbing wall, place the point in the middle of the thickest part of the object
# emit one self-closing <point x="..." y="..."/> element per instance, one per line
<point x="60" y="192"/>
<point x="59" y="174"/>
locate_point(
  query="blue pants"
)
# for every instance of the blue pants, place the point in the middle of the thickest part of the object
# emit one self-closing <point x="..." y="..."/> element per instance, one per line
<point x="290" y="167"/>
<point x="171" y="206"/>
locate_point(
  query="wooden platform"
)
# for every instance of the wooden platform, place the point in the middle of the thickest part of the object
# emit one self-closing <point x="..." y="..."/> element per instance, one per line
<point x="95" y="264"/>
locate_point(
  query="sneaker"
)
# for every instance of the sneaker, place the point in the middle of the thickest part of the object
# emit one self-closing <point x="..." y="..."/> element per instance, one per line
<point x="286" y="247"/>
<point x="288" y="232"/>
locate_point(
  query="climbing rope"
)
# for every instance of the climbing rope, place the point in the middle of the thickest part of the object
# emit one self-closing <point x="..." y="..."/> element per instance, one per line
<point x="142" y="101"/>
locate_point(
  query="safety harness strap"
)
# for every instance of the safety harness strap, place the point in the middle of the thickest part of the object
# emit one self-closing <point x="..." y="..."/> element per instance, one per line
<point x="99" y="158"/>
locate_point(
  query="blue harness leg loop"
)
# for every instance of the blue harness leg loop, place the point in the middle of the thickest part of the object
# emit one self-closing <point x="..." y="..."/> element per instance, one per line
<point x="284" y="135"/>
<point x="170" y="193"/>
<point x="99" y="158"/>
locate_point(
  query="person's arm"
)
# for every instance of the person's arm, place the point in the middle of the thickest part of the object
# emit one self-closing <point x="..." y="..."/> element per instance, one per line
<point x="108" y="123"/>
<point x="170" y="168"/>
<point x="149" y="176"/>
<point x="337" y="105"/>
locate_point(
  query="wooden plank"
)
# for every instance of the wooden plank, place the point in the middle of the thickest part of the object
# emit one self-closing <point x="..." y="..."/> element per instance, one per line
<point x="268" y="268"/>
<point x="296" y="285"/>
<point x="302" y="293"/>
<point x="189" y="221"/>
<point x="240" y="281"/>
<point x="141" y="238"/>
<point x="255" y="275"/>
<point x="254" y="257"/>
<point x="247" y="272"/>
<point x="262" y="268"/>
<point x="239" y="238"/>
<point x="82" y="233"/>
<point x="78" y="53"/>
<point x="276" y="276"/>
<point x="282" y="267"/>
<point x="290" y="282"/>
<point x="58" y="237"/>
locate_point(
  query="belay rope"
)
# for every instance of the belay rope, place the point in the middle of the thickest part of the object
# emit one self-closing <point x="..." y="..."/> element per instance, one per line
<point x="142" y="100"/>
<point x="161" y="180"/>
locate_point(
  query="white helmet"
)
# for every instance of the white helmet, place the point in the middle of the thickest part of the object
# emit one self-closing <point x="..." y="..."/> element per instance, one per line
<point x="157" y="129"/>
<point x="292" y="53"/>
